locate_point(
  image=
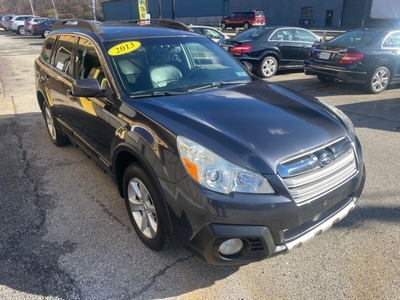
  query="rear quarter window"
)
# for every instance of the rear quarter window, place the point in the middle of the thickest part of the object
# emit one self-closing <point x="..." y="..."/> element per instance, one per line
<point x="47" y="48"/>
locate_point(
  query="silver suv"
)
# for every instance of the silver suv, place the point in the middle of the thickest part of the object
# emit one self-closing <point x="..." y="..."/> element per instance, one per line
<point x="17" y="23"/>
<point x="33" y="21"/>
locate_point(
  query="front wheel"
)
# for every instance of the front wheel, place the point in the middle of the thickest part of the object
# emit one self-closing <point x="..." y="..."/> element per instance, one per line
<point x="57" y="139"/>
<point x="379" y="81"/>
<point x="268" y="67"/>
<point x="145" y="208"/>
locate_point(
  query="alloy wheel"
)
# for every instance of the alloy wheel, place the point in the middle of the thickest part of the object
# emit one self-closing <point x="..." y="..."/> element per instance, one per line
<point x="142" y="208"/>
<point x="380" y="80"/>
<point x="50" y="123"/>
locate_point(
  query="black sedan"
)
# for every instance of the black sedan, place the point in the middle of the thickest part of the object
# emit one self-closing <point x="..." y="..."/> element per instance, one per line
<point x="270" y="49"/>
<point x="370" y="57"/>
<point x="43" y="28"/>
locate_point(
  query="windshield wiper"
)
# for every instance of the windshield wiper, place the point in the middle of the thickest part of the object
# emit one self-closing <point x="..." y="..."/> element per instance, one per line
<point x="157" y="94"/>
<point x="218" y="83"/>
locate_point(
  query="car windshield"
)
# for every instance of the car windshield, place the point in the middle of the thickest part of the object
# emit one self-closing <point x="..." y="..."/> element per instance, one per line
<point x="360" y="37"/>
<point x="164" y="66"/>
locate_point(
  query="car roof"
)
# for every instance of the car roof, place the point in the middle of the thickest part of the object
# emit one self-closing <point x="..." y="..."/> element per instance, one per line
<point x="124" y="30"/>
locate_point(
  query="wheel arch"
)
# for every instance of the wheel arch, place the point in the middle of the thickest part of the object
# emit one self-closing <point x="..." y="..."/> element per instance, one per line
<point x="123" y="156"/>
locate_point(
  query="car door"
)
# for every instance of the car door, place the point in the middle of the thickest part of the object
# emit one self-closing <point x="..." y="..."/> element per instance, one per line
<point x="284" y="40"/>
<point x="391" y="46"/>
<point x="58" y="78"/>
<point x="305" y="40"/>
<point x="89" y="118"/>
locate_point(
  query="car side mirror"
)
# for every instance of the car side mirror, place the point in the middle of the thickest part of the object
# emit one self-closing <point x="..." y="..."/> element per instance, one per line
<point x="248" y="66"/>
<point x="88" y="87"/>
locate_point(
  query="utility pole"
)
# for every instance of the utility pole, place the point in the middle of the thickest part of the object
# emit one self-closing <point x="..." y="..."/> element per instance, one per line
<point x="173" y="9"/>
<point x="94" y="10"/>
<point x="55" y="11"/>
<point x="30" y="2"/>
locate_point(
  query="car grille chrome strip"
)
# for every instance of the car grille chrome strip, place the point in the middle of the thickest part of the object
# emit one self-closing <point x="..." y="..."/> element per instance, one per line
<point x="320" y="179"/>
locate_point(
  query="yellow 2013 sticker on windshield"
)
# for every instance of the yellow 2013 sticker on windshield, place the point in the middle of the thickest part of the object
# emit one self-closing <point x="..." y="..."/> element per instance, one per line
<point x="123" y="48"/>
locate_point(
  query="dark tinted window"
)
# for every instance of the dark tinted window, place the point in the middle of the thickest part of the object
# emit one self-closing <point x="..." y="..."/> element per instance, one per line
<point x="356" y="37"/>
<point x="249" y="34"/>
<point x="47" y="47"/>
<point x="62" y="60"/>
<point x="248" y="15"/>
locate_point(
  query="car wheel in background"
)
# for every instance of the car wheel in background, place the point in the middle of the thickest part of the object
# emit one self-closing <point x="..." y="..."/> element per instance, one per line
<point x="45" y="33"/>
<point x="223" y="25"/>
<point x="145" y="208"/>
<point x="246" y="25"/>
<point x="379" y="81"/>
<point x="268" y="67"/>
<point x="325" y="79"/>
<point x="21" y="30"/>
<point x="55" y="136"/>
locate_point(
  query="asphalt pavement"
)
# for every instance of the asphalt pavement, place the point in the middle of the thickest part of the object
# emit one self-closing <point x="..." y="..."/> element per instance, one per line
<point x="65" y="234"/>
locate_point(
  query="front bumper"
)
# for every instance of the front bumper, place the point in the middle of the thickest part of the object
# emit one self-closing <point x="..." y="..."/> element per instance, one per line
<point x="267" y="225"/>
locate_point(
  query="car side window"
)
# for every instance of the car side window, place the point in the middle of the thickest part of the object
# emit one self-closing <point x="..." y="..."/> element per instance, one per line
<point x="198" y="30"/>
<point x="306" y="36"/>
<point x="392" y="41"/>
<point x="283" y="35"/>
<point x="47" y="48"/>
<point x="62" y="59"/>
<point x="212" y="34"/>
<point x="87" y="62"/>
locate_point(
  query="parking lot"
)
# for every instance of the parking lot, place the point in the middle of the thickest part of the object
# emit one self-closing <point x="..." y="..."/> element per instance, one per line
<point x="65" y="233"/>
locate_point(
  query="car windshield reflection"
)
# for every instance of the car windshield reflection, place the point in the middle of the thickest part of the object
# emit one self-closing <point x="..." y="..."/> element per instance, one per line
<point x="145" y="67"/>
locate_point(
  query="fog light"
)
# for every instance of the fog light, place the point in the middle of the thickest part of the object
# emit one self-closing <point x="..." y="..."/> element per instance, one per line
<point x="231" y="247"/>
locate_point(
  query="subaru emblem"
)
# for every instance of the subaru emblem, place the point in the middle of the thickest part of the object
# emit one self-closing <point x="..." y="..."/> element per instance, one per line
<point x="326" y="158"/>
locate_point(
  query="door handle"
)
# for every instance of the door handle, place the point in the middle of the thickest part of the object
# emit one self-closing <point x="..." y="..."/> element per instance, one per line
<point x="278" y="44"/>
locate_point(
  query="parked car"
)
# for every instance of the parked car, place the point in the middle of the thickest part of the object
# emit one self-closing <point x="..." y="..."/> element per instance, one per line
<point x="244" y="19"/>
<point x="32" y="21"/>
<point x="270" y="49"/>
<point x="43" y="28"/>
<point x="3" y="21"/>
<point x="210" y="32"/>
<point x="370" y="57"/>
<point x="236" y="168"/>
<point x="17" y="23"/>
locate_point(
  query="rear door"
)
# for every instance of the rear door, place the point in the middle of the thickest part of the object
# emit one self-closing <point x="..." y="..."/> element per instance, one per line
<point x="391" y="46"/>
<point x="305" y="40"/>
<point x="285" y="41"/>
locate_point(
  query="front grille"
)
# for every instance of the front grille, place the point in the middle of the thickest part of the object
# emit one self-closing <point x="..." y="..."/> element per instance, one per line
<point x="316" y="173"/>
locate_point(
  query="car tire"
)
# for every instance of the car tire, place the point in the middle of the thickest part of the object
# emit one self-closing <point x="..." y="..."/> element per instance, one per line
<point x="45" y="33"/>
<point x="55" y="136"/>
<point x="223" y="25"/>
<point x="246" y="25"/>
<point x="268" y="67"/>
<point x="21" y="30"/>
<point x="145" y="209"/>
<point x="325" y="79"/>
<point x="379" y="81"/>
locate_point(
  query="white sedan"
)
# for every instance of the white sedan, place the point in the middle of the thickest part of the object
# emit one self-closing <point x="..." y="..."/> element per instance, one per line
<point x="210" y="32"/>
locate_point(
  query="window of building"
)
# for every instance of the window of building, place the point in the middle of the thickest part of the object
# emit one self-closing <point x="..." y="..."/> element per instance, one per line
<point x="307" y="12"/>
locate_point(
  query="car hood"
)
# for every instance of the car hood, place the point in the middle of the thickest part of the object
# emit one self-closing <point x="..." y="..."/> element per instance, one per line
<point x="256" y="125"/>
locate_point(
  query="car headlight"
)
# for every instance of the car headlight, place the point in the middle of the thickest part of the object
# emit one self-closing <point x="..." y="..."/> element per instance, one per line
<point x="216" y="173"/>
<point x="345" y="119"/>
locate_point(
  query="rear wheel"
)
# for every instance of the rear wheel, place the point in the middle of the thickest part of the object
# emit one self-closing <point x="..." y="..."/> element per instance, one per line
<point x="58" y="139"/>
<point x="246" y="25"/>
<point x="21" y="30"/>
<point x="268" y="67"/>
<point x="223" y="25"/>
<point x="325" y="79"/>
<point x="379" y="81"/>
<point x="145" y="208"/>
<point x="45" y="33"/>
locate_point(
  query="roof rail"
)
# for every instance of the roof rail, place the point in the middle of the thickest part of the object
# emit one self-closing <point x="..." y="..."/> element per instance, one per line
<point x="93" y="26"/>
<point x="161" y="23"/>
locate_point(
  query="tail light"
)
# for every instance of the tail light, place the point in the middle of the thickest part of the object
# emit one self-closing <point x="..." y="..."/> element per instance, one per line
<point x="309" y="55"/>
<point x="27" y="24"/>
<point x="351" y="58"/>
<point x="35" y="27"/>
<point x="241" y="49"/>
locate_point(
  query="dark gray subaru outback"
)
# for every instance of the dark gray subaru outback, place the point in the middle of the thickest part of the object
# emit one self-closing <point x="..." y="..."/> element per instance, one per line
<point x="236" y="168"/>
